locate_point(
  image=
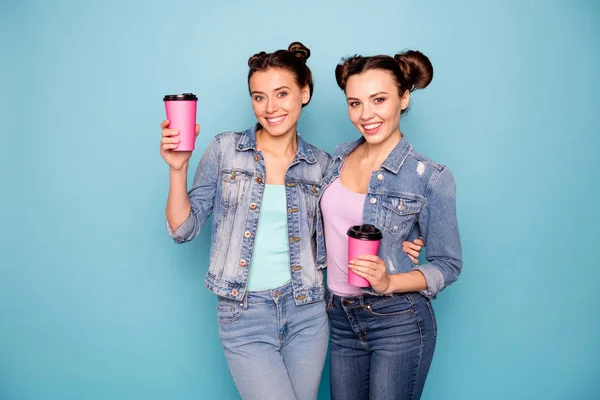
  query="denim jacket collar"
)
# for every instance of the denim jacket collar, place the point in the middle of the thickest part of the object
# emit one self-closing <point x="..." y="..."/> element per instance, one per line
<point x="392" y="163"/>
<point x="248" y="142"/>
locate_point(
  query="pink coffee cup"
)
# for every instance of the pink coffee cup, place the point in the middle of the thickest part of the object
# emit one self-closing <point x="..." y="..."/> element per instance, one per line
<point x="362" y="239"/>
<point x="181" y="113"/>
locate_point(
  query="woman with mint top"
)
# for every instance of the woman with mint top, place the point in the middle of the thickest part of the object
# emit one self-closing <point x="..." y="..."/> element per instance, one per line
<point x="262" y="186"/>
<point x="383" y="338"/>
<point x="267" y="249"/>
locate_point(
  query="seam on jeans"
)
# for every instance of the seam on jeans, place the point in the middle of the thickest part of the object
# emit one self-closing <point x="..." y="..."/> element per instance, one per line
<point x="416" y="373"/>
<point x="351" y="319"/>
<point x="433" y="321"/>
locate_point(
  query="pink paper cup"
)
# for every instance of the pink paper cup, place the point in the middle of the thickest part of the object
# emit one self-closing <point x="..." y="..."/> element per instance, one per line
<point x="181" y="112"/>
<point x="362" y="239"/>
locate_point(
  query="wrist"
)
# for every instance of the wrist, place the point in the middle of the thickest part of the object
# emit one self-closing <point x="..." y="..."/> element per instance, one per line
<point x="390" y="287"/>
<point x="182" y="169"/>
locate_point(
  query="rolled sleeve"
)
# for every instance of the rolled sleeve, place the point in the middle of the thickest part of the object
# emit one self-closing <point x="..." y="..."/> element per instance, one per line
<point x="184" y="232"/>
<point x="439" y="228"/>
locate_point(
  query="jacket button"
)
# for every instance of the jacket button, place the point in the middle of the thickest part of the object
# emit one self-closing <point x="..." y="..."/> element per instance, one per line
<point x="380" y="176"/>
<point x="242" y="263"/>
<point x="257" y="157"/>
<point x="259" y="180"/>
<point x="373" y="200"/>
<point x="247" y="234"/>
<point x="234" y="292"/>
<point x="253" y="206"/>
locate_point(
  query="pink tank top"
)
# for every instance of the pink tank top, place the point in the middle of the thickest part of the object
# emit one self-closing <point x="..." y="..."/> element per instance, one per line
<point x="341" y="209"/>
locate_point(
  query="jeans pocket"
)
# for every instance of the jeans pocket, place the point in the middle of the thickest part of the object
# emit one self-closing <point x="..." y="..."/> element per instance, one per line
<point x="393" y="306"/>
<point x="430" y="308"/>
<point x="228" y="311"/>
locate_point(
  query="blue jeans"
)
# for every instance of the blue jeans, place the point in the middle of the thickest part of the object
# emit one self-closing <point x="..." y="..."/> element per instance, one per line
<point x="381" y="346"/>
<point x="275" y="349"/>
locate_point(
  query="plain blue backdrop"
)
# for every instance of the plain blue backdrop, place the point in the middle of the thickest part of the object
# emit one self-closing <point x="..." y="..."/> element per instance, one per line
<point x="96" y="302"/>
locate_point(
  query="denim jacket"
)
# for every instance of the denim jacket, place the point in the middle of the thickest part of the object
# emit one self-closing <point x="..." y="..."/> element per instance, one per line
<point x="229" y="183"/>
<point x="408" y="195"/>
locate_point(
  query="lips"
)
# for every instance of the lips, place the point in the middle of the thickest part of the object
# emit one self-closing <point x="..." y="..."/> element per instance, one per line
<point x="277" y="120"/>
<point x="373" y="128"/>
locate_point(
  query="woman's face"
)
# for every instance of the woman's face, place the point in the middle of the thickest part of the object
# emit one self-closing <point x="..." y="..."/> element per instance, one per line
<point x="374" y="105"/>
<point x="277" y="100"/>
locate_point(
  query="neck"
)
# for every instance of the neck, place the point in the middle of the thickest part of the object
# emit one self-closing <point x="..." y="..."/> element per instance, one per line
<point x="376" y="154"/>
<point x="285" y="144"/>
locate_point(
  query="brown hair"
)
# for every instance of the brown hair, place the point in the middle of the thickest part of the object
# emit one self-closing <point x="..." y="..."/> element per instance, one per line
<point x="411" y="69"/>
<point x="293" y="60"/>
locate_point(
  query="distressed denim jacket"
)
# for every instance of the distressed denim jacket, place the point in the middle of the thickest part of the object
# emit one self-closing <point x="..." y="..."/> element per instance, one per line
<point x="408" y="195"/>
<point x="229" y="183"/>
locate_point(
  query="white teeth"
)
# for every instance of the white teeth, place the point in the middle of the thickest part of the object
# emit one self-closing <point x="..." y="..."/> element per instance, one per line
<point x="274" y="120"/>
<point x="372" y="126"/>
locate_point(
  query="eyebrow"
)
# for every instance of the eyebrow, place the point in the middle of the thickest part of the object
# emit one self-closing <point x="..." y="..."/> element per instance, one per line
<point x="371" y="96"/>
<point x="275" y="90"/>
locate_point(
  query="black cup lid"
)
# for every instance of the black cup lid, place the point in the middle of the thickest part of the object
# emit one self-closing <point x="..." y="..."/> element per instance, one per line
<point x="365" y="232"/>
<point x="183" y="96"/>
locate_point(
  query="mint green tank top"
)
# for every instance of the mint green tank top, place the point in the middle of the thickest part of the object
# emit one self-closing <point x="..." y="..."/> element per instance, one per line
<point x="270" y="266"/>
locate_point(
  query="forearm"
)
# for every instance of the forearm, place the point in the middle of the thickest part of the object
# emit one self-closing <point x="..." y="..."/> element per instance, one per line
<point x="178" y="202"/>
<point x="413" y="281"/>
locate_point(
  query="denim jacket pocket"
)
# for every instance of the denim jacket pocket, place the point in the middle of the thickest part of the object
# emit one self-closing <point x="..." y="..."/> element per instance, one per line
<point x="311" y="193"/>
<point x="234" y="186"/>
<point x="400" y="212"/>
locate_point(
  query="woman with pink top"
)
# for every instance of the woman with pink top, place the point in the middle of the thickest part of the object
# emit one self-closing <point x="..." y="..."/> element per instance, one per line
<point x="383" y="337"/>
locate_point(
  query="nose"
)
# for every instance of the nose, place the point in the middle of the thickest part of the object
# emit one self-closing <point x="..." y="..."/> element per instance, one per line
<point x="272" y="105"/>
<point x="367" y="112"/>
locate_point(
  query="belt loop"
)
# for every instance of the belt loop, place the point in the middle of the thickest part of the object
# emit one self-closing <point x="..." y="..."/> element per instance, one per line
<point x="361" y="298"/>
<point x="329" y="297"/>
<point x="244" y="301"/>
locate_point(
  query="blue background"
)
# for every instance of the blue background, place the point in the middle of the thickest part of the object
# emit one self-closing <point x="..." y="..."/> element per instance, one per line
<point x="96" y="302"/>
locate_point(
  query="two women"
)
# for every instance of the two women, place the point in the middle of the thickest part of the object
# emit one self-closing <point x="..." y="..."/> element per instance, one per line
<point x="263" y="187"/>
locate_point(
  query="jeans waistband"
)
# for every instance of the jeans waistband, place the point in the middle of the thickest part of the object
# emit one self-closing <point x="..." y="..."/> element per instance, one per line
<point x="269" y="295"/>
<point x="365" y="298"/>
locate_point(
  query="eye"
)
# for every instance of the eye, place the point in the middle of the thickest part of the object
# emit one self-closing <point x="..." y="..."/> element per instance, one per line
<point x="281" y="94"/>
<point x="353" y="103"/>
<point x="379" y="100"/>
<point x="258" y="98"/>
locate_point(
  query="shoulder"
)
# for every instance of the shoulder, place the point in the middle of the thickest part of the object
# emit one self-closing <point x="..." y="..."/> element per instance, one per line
<point x="321" y="156"/>
<point x="343" y="149"/>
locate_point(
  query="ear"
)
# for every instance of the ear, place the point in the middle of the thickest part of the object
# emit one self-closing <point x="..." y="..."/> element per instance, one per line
<point x="405" y="99"/>
<point x="305" y="94"/>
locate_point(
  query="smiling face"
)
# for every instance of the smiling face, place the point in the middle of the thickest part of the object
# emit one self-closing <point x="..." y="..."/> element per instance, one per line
<point x="374" y="105"/>
<point x="277" y="100"/>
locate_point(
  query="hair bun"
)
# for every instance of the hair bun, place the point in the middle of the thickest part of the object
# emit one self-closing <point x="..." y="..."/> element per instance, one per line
<point x="299" y="50"/>
<point x="256" y="57"/>
<point x="416" y="68"/>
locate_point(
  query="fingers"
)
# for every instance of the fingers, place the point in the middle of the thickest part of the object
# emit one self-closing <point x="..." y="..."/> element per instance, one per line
<point x="414" y="260"/>
<point x="412" y="246"/>
<point x="363" y="263"/>
<point x="169" y="143"/>
<point x="419" y="241"/>
<point x="369" y="257"/>
<point x="164" y="124"/>
<point x="169" y="132"/>
<point x="410" y="252"/>
<point x="365" y="272"/>
<point x="197" y="129"/>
